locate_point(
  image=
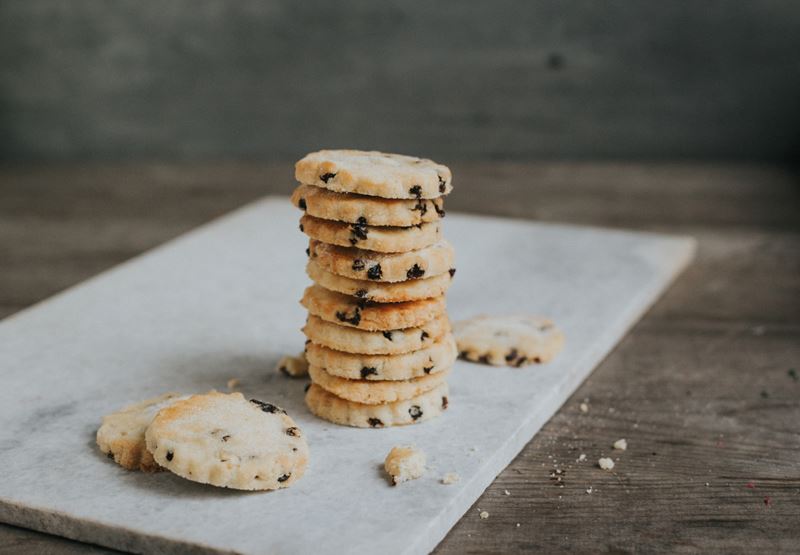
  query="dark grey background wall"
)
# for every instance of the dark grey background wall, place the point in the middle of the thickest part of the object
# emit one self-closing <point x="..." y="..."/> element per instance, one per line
<point x="144" y="79"/>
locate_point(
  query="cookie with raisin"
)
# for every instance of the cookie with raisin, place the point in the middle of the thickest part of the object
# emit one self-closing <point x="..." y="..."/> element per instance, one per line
<point x="508" y="340"/>
<point x="374" y="173"/>
<point x="364" y="210"/>
<point x="418" y="409"/>
<point x="228" y="441"/>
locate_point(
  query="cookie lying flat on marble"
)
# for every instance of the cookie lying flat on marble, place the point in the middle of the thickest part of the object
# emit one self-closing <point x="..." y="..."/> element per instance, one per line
<point x="227" y="441"/>
<point x="375" y="392"/>
<point x="430" y="360"/>
<point x="430" y="261"/>
<point x="404" y="463"/>
<point x="347" y="413"/>
<point x="293" y="366"/>
<point x="346" y="310"/>
<point x="121" y="435"/>
<point x="380" y="291"/>
<point x="363" y="210"/>
<point x="390" y="342"/>
<point x="374" y="173"/>
<point x="373" y="238"/>
<point x="508" y="340"/>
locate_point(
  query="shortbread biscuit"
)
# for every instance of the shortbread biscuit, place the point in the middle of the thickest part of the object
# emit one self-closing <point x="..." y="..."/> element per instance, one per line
<point x="363" y="210"/>
<point x="374" y="173"/>
<point x="391" y="342"/>
<point x="380" y="291"/>
<point x="346" y="310"/>
<point x="436" y="358"/>
<point x="121" y="436"/>
<point x="403" y="463"/>
<point x="227" y="441"/>
<point x="508" y="340"/>
<point x="430" y="261"/>
<point x="375" y="392"/>
<point x="381" y="239"/>
<point x="347" y="413"/>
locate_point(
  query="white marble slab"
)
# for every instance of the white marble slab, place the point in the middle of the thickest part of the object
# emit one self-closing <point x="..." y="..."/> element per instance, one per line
<point x="221" y="302"/>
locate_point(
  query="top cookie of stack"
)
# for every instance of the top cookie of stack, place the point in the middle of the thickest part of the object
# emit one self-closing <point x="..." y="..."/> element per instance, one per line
<point x="379" y="344"/>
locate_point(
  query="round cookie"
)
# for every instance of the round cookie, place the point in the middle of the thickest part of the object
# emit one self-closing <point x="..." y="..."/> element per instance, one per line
<point x="121" y="435"/>
<point x="392" y="342"/>
<point x="429" y="261"/>
<point x="381" y="239"/>
<point x="374" y="173"/>
<point x="363" y="210"/>
<point x="358" y="313"/>
<point x="347" y="413"/>
<point x="375" y="392"/>
<point x="508" y="340"/>
<point x="227" y="441"/>
<point x="435" y="358"/>
<point x="380" y="291"/>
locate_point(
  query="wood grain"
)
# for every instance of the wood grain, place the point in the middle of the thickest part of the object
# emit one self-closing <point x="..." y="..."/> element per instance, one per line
<point x="700" y="388"/>
<point x="503" y="79"/>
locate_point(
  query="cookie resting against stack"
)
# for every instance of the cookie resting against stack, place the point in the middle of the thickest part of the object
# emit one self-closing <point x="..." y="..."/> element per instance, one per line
<point x="379" y="345"/>
<point x="215" y="438"/>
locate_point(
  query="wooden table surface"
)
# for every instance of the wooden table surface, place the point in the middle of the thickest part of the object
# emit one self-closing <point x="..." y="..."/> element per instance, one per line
<point x="706" y="388"/>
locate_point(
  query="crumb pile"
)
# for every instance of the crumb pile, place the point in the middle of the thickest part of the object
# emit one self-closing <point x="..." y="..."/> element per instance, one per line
<point x="379" y="344"/>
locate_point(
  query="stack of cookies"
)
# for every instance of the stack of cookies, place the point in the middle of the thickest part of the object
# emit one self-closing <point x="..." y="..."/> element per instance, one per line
<point x="379" y="342"/>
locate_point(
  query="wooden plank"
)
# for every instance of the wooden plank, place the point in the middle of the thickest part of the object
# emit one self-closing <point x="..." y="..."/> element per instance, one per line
<point x="703" y="381"/>
<point x="502" y="79"/>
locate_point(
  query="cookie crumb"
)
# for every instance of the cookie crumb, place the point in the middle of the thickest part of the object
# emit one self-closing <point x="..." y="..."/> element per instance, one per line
<point x="293" y="366"/>
<point x="584" y="408"/>
<point x="589" y="490"/>
<point x="605" y="463"/>
<point x="581" y="458"/>
<point x="621" y="444"/>
<point x="517" y="524"/>
<point x="233" y="383"/>
<point x="506" y="492"/>
<point x="404" y="463"/>
<point x="450" y="478"/>
<point x="484" y="515"/>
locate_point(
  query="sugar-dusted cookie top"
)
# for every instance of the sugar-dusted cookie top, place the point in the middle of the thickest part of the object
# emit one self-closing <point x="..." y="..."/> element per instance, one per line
<point x="226" y="440"/>
<point x="375" y="174"/>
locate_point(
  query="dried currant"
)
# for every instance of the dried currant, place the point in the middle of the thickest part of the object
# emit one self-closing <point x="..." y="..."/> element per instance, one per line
<point x="375" y="422"/>
<point x="354" y="319"/>
<point x="368" y="371"/>
<point x="293" y="431"/>
<point x="285" y="477"/>
<point x="452" y="272"/>
<point x="267" y="407"/>
<point x="442" y="183"/>
<point x="445" y="402"/>
<point x="302" y="204"/>
<point x="427" y="369"/>
<point x="358" y="265"/>
<point x="415" y="411"/>
<point x="424" y="335"/>
<point x="416" y="191"/>
<point x="375" y="272"/>
<point x="415" y="272"/>
<point x="512" y="354"/>
<point x="388" y="335"/>
<point x="170" y="455"/>
<point x="325" y="177"/>
<point x="361" y="293"/>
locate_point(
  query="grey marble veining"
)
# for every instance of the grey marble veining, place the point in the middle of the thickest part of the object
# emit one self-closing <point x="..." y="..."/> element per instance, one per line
<point x="221" y="302"/>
